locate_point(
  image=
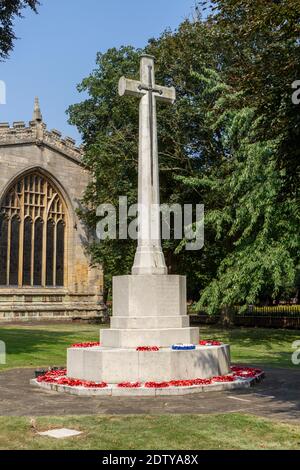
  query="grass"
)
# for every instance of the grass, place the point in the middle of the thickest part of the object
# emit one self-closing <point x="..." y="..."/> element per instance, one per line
<point x="230" y="431"/>
<point x="45" y="345"/>
<point x="259" y="346"/>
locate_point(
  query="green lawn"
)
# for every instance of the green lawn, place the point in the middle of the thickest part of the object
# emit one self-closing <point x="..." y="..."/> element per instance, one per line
<point x="231" y="431"/>
<point x="260" y="346"/>
<point x="40" y="345"/>
<point x="45" y="345"/>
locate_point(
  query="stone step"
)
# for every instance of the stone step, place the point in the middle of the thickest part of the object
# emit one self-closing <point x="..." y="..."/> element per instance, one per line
<point x="162" y="337"/>
<point x="128" y="365"/>
<point x="155" y="322"/>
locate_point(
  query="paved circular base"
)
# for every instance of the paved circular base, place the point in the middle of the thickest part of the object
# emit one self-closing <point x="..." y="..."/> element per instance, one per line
<point x="277" y="398"/>
<point x="114" y="390"/>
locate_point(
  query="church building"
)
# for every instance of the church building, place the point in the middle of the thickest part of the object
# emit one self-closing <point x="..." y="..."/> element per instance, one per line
<point x="45" y="272"/>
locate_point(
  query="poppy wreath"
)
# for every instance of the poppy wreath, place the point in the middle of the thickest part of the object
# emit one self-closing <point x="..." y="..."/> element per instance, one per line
<point x="52" y="375"/>
<point x="80" y="383"/>
<point x="210" y="342"/>
<point x="129" y="385"/>
<point x="59" y="377"/>
<point x="189" y="383"/>
<point x="183" y="347"/>
<point x="224" y="378"/>
<point x="245" y="372"/>
<point x="85" y="345"/>
<point x="157" y="384"/>
<point x="147" y="348"/>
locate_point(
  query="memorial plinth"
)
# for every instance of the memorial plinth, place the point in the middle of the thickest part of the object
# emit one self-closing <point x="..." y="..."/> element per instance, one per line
<point x="149" y="306"/>
<point x="117" y="365"/>
<point x="148" y="310"/>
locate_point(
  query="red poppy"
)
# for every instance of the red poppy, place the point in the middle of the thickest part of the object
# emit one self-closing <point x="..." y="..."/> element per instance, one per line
<point x="209" y="342"/>
<point x="147" y="348"/>
<point x="129" y="385"/>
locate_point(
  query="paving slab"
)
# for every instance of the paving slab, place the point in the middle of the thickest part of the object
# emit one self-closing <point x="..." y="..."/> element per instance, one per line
<point x="61" y="433"/>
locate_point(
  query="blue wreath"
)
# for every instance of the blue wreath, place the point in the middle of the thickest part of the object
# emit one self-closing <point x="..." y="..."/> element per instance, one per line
<point x="183" y="347"/>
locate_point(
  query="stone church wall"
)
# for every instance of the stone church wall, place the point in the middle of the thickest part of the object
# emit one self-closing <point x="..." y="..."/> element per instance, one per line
<point x="24" y="149"/>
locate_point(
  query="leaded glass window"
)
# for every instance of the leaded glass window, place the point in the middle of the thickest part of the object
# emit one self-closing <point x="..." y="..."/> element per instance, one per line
<point x="32" y="234"/>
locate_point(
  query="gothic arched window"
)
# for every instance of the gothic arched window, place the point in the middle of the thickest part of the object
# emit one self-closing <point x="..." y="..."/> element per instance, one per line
<point x="32" y="234"/>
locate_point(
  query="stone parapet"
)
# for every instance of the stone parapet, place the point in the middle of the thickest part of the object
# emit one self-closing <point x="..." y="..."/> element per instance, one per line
<point x="20" y="134"/>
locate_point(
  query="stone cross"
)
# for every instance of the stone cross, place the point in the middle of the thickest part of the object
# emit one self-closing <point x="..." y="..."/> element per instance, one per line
<point x="149" y="258"/>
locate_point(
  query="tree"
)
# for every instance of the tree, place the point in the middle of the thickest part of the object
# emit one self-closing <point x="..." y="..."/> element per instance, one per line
<point x="109" y="126"/>
<point x="258" y="226"/>
<point x="258" y="125"/>
<point x="8" y="10"/>
<point x="229" y="142"/>
<point x="258" y="44"/>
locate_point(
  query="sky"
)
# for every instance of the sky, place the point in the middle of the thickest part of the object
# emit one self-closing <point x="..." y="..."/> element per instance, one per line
<point x="57" y="48"/>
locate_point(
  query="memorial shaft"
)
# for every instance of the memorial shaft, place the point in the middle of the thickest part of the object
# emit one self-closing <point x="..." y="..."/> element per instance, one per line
<point x="149" y="258"/>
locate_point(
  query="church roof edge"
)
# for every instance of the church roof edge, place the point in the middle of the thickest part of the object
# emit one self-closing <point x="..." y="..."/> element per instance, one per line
<point x="37" y="133"/>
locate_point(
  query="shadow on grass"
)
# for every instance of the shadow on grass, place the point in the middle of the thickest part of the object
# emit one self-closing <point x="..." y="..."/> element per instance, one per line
<point x="26" y="347"/>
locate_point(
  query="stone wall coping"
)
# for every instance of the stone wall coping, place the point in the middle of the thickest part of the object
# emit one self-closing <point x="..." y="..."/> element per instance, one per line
<point x="37" y="133"/>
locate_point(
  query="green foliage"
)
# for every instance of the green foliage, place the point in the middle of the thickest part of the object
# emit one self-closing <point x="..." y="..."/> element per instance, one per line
<point x="257" y="224"/>
<point x="109" y="125"/>
<point x="8" y="10"/>
<point x="231" y="142"/>
<point x="259" y="44"/>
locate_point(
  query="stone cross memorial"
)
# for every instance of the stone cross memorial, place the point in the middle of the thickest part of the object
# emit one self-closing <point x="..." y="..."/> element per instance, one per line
<point x="149" y="257"/>
<point x="149" y="306"/>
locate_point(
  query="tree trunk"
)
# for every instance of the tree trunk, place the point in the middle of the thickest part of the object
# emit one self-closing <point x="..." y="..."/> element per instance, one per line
<point x="227" y="317"/>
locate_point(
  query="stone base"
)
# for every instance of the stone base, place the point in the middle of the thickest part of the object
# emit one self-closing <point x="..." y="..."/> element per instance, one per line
<point x="149" y="310"/>
<point x="161" y="337"/>
<point x="113" y="366"/>
<point x="149" y="295"/>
